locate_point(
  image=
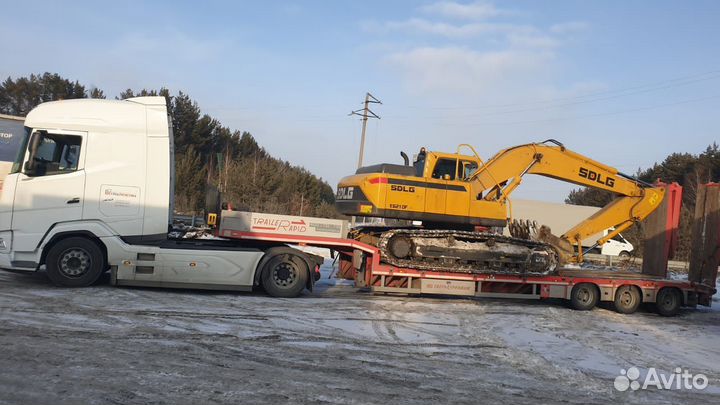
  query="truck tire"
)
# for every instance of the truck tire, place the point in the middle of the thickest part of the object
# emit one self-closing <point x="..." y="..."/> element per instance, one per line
<point x="284" y="275"/>
<point x="668" y="301"/>
<point x="627" y="299"/>
<point x="584" y="296"/>
<point x="624" y="255"/>
<point x="74" y="262"/>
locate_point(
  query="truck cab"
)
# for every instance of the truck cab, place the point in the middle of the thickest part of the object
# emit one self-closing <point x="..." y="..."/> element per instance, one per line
<point x="91" y="189"/>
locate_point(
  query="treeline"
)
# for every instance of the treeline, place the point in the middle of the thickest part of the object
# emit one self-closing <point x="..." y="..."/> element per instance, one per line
<point x="686" y="169"/>
<point x="208" y="155"/>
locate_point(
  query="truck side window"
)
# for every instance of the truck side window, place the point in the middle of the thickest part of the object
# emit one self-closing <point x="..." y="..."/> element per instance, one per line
<point x="58" y="154"/>
<point x="443" y="167"/>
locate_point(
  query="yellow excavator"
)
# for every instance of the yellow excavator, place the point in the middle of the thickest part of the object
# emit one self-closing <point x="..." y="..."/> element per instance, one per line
<point x="460" y="199"/>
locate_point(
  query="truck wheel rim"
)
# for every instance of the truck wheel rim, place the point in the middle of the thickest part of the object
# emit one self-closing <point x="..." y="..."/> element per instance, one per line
<point x="668" y="301"/>
<point x="74" y="262"/>
<point x="584" y="295"/>
<point x="627" y="299"/>
<point x="284" y="274"/>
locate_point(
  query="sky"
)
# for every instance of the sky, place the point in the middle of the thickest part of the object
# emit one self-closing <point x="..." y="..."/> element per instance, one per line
<point x="624" y="82"/>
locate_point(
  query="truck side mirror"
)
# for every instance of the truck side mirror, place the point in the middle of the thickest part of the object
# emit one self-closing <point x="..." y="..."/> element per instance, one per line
<point x="30" y="167"/>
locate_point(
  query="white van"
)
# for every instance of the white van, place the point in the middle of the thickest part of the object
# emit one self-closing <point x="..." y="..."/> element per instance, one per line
<point x="617" y="246"/>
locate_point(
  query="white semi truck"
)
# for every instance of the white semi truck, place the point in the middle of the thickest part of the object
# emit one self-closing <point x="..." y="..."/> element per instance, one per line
<point x="91" y="190"/>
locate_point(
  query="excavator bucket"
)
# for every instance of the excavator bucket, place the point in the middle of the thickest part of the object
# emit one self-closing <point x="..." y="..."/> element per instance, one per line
<point x="526" y="229"/>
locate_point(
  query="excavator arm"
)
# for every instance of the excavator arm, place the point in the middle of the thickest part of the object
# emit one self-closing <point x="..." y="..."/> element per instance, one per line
<point x="497" y="178"/>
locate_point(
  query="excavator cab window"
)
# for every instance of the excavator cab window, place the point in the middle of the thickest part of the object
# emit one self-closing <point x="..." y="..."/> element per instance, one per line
<point x="445" y="169"/>
<point x="466" y="169"/>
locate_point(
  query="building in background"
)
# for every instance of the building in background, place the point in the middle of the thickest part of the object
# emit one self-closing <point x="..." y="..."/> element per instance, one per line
<point x="562" y="217"/>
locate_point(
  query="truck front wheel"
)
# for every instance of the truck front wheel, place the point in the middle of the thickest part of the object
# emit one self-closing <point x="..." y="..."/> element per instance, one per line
<point x="284" y="275"/>
<point x="74" y="262"/>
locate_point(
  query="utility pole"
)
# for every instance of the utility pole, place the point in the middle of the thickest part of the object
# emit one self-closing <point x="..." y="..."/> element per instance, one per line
<point x="365" y="113"/>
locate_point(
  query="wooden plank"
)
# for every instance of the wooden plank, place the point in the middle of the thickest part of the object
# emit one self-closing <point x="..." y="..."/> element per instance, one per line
<point x="655" y="255"/>
<point x="705" y="249"/>
<point x="711" y="254"/>
<point x="697" y="237"/>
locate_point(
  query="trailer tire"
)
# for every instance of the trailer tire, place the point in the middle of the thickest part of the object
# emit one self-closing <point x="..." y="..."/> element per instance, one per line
<point x="584" y="296"/>
<point x="74" y="262"/>
<point x="284" y="275"/>
<point x="627" y="299"/>
<point x="668" y="301"/>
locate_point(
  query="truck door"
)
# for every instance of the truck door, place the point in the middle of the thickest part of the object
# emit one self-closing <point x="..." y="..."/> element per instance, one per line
<point x="50" y="186"/>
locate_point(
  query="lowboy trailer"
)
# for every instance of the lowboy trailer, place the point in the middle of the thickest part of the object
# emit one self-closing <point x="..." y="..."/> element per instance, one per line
<point x="583" y="289"/>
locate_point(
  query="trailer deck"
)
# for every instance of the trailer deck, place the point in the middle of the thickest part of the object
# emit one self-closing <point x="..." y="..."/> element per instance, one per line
<point x="361" y="262"/>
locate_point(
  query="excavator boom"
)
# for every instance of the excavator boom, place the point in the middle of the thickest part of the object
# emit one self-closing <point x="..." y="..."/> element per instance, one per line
<point x="503" y="173"/>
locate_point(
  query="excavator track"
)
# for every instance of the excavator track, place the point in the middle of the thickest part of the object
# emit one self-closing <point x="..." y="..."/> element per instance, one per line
<point x="465" y="252"/>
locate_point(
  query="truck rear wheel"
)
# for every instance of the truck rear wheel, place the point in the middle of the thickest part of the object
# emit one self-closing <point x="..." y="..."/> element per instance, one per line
<point x="627" y="299"/>
<point x="74" y="262"/>
<point x="668" y="301"/>
<point x="284" y="275"/>
<point x="584" y="296"/>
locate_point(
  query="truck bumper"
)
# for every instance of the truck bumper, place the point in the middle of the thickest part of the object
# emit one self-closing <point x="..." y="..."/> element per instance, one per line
<point x="7" y="264"/>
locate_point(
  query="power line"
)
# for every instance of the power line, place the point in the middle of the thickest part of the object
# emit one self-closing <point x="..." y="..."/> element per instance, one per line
<point x="598" y="114"/>
<point x="643" y="88"/>
<point x="365" y="113"/>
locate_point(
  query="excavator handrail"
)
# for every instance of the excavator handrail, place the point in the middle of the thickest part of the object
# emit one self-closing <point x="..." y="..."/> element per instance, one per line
<point x="507" y="197"/>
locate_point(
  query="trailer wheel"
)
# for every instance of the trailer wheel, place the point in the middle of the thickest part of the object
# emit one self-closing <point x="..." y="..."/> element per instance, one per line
<point x="584" y="296"/>
<point x="284" y="275"/>
<point x="74" y="262"/>
<point x="627" y="299"/>
<point x="668" y="301"/>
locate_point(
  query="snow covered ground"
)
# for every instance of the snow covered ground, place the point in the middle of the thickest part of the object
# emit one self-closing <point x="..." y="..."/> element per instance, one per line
<point x="149" y="346"/>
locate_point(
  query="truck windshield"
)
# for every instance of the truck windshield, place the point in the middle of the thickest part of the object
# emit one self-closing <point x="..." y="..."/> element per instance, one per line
<point x="20" y="156"/>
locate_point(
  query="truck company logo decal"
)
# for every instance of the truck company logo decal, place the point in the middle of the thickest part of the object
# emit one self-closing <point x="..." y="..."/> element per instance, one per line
<point x="449" y="187"/>
<point x="597" y="177"/>
<point x="110" y="192"/>
<point x="330" y="228"/>
<point x="269" y="224"/>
